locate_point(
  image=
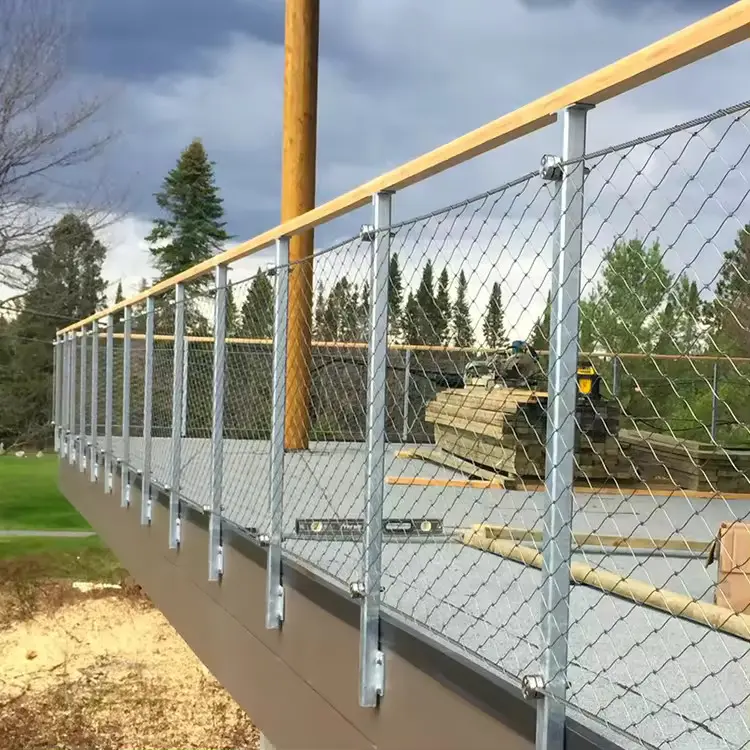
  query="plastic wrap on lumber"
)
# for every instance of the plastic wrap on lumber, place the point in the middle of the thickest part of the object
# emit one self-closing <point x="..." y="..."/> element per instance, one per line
<point x="677" y="605"/>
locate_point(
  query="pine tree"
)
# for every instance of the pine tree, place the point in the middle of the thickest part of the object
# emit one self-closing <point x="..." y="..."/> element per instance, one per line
<point x="257" y="309"/>
<point x="395" y="298"/>
<point x="493" y="327"/>
<point x="232" y="313"/>
<point x="426" y="316"/>
<point x="462" y="326"/>
<point x="67" y="286"/>
<point x="540" y="334"/>
<point x="118" y="316"/>
<point x="319" y="330"/>
<point x="193" y="228"/>
<point x="411" y="319"/>
<point x="363" y="314"/>
<point x="443" y="303"/>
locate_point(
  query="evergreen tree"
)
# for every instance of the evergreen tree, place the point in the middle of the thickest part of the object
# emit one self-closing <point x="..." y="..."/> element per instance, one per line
<point x="729" y="313"/>
<point x="395" y="298"/>
<point x="443" y="303"/>
<point x="463" y="329"/>
<point x="363" y="329"/>
<point x="493" y="326"/>
<point x="192" y="229"/>
<point x="319" y="329"/>
<point x="421" y="314"/>
<point x="257" y="309"/>
<point x="117" y="318"/>
<point x="540" y="333"/>
<point x="67" y="286"/>
<point x="625" y="305"/>
<point x="232" y="312"/>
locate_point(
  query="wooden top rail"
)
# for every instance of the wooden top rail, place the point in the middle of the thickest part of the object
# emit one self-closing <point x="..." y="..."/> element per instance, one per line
<point x="701" y="39"/>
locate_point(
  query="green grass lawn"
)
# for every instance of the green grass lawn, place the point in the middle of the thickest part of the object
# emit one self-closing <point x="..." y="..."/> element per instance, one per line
<point x="30" y="499"/>
<point x="86" y="559"/>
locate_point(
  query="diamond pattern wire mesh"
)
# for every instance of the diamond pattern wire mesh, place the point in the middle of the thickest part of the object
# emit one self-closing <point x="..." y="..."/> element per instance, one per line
<point x="661" y="452"/>
<point x="328" y="480"/>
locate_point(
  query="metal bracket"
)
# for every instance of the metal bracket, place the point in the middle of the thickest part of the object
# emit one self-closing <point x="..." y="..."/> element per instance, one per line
<point x="550" y="168"/>
<point x="178" y="530"/>
<point x="532" y="687"/>
<point x="277" y="605"/>
<point x="264" y="540"/>
<point x="220" y="560"/>
<point x="378" y="674"/>
<point x="357" y="589"/>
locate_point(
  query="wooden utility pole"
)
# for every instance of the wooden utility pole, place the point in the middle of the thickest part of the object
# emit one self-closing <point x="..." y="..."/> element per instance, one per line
<point x="298" y="196"/>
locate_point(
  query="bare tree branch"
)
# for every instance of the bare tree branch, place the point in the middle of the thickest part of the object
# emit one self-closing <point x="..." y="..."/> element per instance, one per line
<point x="44" y="131"/>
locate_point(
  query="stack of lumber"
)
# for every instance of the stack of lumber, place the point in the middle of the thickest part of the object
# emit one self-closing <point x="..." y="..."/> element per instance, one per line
<point x="505" y="429"/>
<point x="689" y="464"/>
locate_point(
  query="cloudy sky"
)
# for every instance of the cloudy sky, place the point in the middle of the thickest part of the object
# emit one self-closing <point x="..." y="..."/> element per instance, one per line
<point x="397" y="78"/>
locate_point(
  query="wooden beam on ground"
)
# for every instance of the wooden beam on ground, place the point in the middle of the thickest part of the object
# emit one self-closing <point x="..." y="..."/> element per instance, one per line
<point x="590" y="539"/>
<point x="624" y="587"/>
<point x="712" y="34"/>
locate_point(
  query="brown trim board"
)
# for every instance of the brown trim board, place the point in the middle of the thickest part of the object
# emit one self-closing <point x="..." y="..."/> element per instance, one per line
<point x="300" y="685"/>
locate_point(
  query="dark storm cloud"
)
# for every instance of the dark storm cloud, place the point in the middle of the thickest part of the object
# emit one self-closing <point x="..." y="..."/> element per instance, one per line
<point x="142" y="39"/>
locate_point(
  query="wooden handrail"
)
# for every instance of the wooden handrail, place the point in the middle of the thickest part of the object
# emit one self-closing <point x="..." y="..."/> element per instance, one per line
<point x="701" y="39"/>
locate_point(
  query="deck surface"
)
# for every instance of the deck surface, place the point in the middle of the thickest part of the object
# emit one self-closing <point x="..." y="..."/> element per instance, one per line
<point x="667" y="682"/>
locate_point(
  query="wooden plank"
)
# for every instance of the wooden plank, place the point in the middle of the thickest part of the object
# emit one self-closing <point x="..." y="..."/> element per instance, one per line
<point x="474" y="484"/>
<point x="441" y="458"/>
<point x="480" y="452"/>
<point x="705" y="37"/>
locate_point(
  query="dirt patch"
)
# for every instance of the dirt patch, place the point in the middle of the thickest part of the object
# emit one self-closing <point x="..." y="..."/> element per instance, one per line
<point x="104" y="669"/>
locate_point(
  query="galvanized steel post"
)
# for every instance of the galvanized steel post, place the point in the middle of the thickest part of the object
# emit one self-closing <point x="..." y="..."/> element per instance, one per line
<point x="148" y="400"/>
<point x="371" y="658"/>
<point x="83" y="396"/>
<point x="109" y="384"/>
<point x="56" y="403"/>
<point x="561" y="430"/>
<point x="127" y="347"/>
<point x="274" y="585"/>
<point x="72" y="400"/>
<point x="64" y="401"/>
<point x="215" y="561"/>
<point x="94" y="452"/>
<point x="177" y="365"/>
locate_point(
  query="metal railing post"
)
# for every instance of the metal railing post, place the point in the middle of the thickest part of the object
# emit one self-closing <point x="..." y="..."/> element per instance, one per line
<point x="371" y="658"/>
<point x="83" y="395"/>
<point x="148" y="400"/>
<point x="274" y="584"/>
<point x="56" y="372"/>
<point x="94" y="451"/>
<point x="215" y="560"/>
<point x="177" y="366"/>
<point x="407" y="385"/>
<point x="715" y="402"/>
<point x="185" y="376"/>
<point x="127" y="347"/>
<point x="109" y="375"/>
<point x="63" y="343"/>
<point x="561" y="429"/>
<point x="72" y="401"/>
